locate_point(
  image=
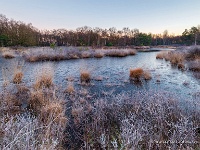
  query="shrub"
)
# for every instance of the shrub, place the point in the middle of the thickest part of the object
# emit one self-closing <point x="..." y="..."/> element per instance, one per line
<point x="44" y="81"/>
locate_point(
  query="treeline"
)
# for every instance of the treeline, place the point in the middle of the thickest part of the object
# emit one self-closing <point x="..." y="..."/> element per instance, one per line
<point x="17" y="33"/>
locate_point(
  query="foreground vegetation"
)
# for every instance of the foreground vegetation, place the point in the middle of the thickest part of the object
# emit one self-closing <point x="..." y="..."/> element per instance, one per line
<point x="43" y="116"/>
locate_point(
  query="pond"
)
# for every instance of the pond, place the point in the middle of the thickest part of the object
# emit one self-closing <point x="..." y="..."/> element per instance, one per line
<point x="111" y="74"/>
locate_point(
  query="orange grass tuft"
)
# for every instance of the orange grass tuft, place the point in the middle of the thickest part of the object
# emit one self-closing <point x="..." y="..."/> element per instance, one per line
<point x="8" y="54"/>
<point x="85" y="76"/>
<point x="17" y="77"/>
<point x="136" y="73"/>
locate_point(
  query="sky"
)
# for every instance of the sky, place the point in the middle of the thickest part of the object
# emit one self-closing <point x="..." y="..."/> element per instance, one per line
<point x="149" y="16"/>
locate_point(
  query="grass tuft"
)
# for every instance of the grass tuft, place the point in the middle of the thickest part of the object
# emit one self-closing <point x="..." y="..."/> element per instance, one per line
<point x="8" y="54"/>
<point x="70" y="89"/>
<point x="85" y="76"/>
<point x="17" y="77"/>
<point x="136" y="73"/>
<point x="44" y="77"/>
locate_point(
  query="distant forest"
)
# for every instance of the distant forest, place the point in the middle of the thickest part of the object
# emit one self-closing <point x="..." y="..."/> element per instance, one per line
<point x="18" y="33"/>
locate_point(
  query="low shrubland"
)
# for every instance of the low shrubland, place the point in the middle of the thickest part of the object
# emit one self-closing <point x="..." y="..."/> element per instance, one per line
<point x="141" y="120"/>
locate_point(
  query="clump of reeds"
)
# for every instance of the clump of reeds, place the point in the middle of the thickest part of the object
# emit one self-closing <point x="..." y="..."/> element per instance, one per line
<point x="44" y="77"/>
<point x="17" y="77"/>
<point x="161" y="55"/>
<point x="136" y="73"/>
<point x="70" y="88"/>
<point x="37" y="100"/>
<point x="8" y="54"/>
<point x="176" y="58"/>
<point x="85" y="76"/>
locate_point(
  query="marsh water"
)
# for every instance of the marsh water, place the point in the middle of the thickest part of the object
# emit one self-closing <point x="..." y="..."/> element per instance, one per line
<point x="111" y="74"/>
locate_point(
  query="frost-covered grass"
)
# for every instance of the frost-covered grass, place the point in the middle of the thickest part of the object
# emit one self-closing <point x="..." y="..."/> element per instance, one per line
<point x="42" y="116"/>
<point x="184" y="58"/>
<point x="64" y="53"/>
<point x="143" y="120"/>
<point x="31" y="118"/>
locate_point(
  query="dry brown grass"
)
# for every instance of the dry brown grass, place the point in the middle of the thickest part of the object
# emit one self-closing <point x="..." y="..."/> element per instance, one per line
<point x="37" y="100"/>
<point x="85" y="55"/>
<point x="44" y="81"/>
<point x="132" y="52"/>
<point x="8" y="54"/>
<point x="85" y="76"/>
<point x="70" y="89"/>
<point x="99" y="55"/>
<point x="52" y="110"/>
<point x="161" y="55"/>
<point x="176" y="58"/>
<point x="116" y="53"/>
<point x="18" y="77"/>
<point x="136" y="73"/>
<point x="44" y="77"/>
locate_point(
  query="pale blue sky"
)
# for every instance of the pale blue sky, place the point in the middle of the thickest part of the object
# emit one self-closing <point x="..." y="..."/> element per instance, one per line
<point x="147" y="15"/>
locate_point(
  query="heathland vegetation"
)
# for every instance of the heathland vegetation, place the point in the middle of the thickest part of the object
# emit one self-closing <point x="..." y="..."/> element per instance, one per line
<point x="41" y="114"/>
<point x="17" y="33"/>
